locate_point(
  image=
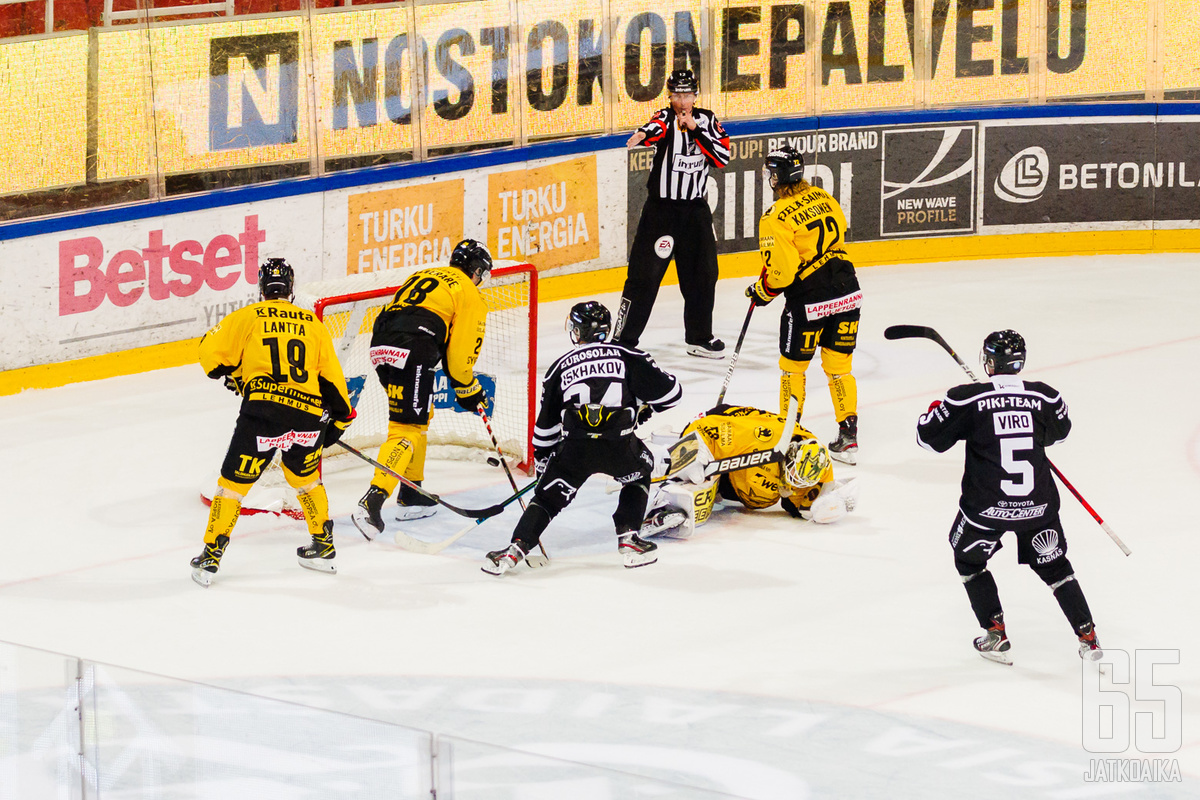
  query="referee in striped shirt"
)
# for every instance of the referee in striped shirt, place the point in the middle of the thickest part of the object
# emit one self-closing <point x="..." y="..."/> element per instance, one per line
<point x="676" y="221"/>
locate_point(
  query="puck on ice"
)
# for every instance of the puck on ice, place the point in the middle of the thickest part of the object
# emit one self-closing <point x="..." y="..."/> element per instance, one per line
<point x="493" y="461"/>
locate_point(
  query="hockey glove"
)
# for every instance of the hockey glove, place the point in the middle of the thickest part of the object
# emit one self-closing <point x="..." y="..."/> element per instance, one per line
<point x="335" y="429"/>
<point x="541" y="457"/>
<point x="759" y="293"/>
<point x="470" y="398"/>
<point x="234" y="385"/>
<point x="644" y="414"/>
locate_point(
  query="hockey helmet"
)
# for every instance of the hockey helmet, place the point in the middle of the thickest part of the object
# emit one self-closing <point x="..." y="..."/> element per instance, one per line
<point x="1003" y="353"/>
<point x="589" y="322"/>
<point x="276" y="278"/>
<point x="682" y="81"/>
<point x="804" y="463"/>
<point x="785" y="165"/>
<point x="472" y="258"/>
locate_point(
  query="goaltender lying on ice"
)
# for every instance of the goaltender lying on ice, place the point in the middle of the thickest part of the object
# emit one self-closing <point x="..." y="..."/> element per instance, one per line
<point x="734" y="453"/>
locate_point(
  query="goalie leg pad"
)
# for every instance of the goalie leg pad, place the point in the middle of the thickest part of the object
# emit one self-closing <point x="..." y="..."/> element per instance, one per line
<point x="679" y="507"/>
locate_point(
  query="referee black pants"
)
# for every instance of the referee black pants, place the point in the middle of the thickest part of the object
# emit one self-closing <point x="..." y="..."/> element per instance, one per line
<point x="679" y="229"/>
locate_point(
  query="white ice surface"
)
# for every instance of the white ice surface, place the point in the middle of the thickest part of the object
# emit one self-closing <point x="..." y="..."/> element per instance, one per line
<point x="764" y="657"/>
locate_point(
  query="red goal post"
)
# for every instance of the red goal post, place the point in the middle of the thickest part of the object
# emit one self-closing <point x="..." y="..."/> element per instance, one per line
<point x="507" y="365"/>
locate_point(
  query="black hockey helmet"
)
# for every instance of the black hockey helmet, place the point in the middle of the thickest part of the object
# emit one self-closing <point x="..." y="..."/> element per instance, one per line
<point x="472" y="258"/>
<point x="276" y="278"/>
<point x="589" y="322"/>
<point x="682" y="81"/>
<point x="786" y="165"/>
<point x="1003" y="353"/>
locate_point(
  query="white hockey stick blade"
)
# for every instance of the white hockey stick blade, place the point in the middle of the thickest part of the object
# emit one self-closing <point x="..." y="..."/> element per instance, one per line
<point x="536" y="561"/>
<point x="406" y="542"/>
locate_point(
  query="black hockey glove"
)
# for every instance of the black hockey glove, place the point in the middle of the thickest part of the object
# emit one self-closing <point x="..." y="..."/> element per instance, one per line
<point x="335" y="429"/>
<point x="541" y="457"/>
<point x="759" y="294"/>
<point x="644" y="414"/>
<point x="791" y="508"/>
<point x="234" y="385"/>
<point x="471" y="398"/>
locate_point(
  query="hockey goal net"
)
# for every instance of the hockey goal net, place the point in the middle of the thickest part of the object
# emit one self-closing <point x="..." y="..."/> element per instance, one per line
<point x="507" y="369"/>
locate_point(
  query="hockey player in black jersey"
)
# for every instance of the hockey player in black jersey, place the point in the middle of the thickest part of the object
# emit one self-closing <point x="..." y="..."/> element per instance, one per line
<point x="1007" y="486"/>
<point x="593" y="398"/>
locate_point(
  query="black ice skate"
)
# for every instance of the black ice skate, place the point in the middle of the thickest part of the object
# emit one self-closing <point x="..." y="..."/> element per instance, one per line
<point x="320" y="554"/>
<point x="663" y="520"/>
<point x="1089" y="644"/>
<point x="636" y="551"/>
<point x="994" y="645"/>
<point x="501" y="561"/>
<point x="367" y="517"/>
<point x="413" y="504"/>
<point x="713" y="348"/>
<point x="205" y="565"/>
<point x="845" y="447"/>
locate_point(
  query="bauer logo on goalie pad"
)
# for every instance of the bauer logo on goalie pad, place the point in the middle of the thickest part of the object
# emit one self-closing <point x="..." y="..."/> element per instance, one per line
<point x="744" y="461"/>
<point x="393" y="356"/>
<point x="285" y="441"/>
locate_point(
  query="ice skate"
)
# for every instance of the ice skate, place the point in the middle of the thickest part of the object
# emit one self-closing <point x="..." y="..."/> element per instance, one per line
<point x="1089" y="643"/>
<point x="413" y="504"/>
<point x="501" y="561"/>
<point x="845" y="447"/>
<point x="663" y="520"/>
<point x="713" y="348"/>
<point x="636" y="551"/>
<point x="994" y="645"/>
<point x="320" y="553"/>
<point x="367" y="517"/>
<point x="205" y="565"/>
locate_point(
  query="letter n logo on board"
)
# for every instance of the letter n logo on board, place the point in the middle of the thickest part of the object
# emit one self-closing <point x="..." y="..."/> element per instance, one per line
<point x="253" y="90"/>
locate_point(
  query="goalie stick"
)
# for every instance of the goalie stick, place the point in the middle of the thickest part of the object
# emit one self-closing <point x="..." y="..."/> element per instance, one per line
<point x="925" y="332"/>
<point x="533" y="561"/>
<point x="471" y="513"/>
<point x="736" y="352"/>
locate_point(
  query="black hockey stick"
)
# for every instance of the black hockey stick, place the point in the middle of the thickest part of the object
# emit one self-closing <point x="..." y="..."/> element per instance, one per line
<point x="533" y="562"/>
<point x="736" y="352"/>
<point x="470" y="513"/>
<point x="923" y="332"/>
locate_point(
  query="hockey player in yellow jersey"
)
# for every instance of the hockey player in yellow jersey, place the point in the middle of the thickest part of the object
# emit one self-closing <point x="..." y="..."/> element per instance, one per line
<point x="802" y="482"/>
<point x="438" y="315"/>
<point x="801" y="240"/>
<point x="280" y="359"/>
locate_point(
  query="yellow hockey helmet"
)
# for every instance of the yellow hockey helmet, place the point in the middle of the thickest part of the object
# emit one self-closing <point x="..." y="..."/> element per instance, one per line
<point x="804" y="463"/>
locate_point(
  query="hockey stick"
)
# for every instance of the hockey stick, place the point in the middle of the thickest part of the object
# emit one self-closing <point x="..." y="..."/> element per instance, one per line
<point x="736" y="352"/>
<point x="924" y="332"/>
<point x="403" y="540"/>
<point x="534" y="562"/>
<point x="471" y="513"/>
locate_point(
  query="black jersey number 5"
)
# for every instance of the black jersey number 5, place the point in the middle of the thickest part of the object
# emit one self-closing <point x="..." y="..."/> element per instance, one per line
<point x="821" y="226"/>
<point x="295" y="356"/>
